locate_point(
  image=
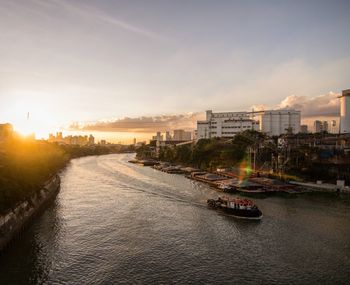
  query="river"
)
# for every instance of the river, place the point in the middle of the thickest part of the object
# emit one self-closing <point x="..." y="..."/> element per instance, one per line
<point x="114" y="222"/>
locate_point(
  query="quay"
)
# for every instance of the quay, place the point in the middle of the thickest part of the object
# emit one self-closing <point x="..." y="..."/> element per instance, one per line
<point x="322" y="187"/>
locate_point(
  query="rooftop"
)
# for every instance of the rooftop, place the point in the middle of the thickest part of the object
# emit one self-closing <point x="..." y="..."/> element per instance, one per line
<point x="346" y="92"/>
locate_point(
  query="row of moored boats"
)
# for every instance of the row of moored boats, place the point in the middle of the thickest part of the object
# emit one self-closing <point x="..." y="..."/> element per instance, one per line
<point x="240" y="208"/>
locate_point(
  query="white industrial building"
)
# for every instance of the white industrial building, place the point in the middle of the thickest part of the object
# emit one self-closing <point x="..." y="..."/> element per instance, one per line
<point x="225" y="124"/>
<point x="277" y="122"/>
<point x="345" y="112"/>
<point x="228" y="124"/>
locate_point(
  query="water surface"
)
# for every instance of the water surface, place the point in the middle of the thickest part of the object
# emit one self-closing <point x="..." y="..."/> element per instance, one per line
<point x="115" y="222"/>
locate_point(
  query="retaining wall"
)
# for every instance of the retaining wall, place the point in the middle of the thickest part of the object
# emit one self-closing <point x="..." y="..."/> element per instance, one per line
<point x="16" y="219"/>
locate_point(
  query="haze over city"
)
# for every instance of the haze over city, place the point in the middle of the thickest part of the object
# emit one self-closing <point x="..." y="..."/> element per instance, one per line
<point x="129" y="68"/>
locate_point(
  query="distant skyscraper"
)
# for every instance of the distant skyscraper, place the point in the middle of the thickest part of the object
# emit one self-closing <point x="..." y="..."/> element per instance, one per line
<point x="91" y="140"/>
<point x="52" y="138"/>
<point x="168" y="136"/>
<point x="321" y="126"/>
<point x="158" y="137"/>
<point x="317" y="126"/>
<point x="59" y="137"/>
<point x="182" y="135"/>
<point x="303" y="129"/>
<point x="334" y="127"/>
<point x="325" y="126"/>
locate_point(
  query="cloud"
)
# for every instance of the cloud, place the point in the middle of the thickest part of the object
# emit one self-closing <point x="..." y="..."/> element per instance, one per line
<point x="145" y="124"/>
<point x="326" y="105"/>
<point x="323" y="105"/>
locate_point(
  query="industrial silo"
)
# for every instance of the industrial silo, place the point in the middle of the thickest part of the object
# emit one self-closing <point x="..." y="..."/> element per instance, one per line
<point x="345" y="112"/>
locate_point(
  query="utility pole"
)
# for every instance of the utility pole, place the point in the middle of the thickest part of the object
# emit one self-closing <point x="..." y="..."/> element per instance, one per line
<point x="254" y="159"/>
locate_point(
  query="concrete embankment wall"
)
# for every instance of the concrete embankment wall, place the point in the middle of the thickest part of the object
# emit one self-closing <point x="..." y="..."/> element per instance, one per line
<point x="314" y="187"/>
<point x="16" y="219"/>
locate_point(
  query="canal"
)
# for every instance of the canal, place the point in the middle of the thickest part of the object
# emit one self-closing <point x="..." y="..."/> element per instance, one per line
<point x="115" y="222"/>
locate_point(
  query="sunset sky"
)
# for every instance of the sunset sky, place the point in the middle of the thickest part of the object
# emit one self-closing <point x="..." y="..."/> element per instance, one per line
<point x="120" y="61"/>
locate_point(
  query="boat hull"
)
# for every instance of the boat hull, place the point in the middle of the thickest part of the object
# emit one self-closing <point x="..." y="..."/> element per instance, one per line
<point x="250" y="214"/>
<point x="244" y="214"/>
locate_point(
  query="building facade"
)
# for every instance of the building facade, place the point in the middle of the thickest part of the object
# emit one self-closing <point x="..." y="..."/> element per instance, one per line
<point x="278" y="122"/>
<point x="228" y="124"/>
<point x="182" y="135"/>
<point x="225" y="124"/>
<point x="91" y="140"/>
<point x="6" y="132"/>
<point x="158" y="137"/>
<point x="334" y="127"/>
<point x="178" y="136"/>
<point x="304" y="129"/>
<point x="317" y="126"/>
<point x="321" y="126"/>
<point x="168" y="136"/>
<point x="345" y="112"/>
<point x="72" y="140"/>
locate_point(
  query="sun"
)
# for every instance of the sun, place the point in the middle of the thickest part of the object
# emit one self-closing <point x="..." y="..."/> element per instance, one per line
<point x="29" y="119"/>
<point x="39" y="127"/>
<point x="24" y="127"/>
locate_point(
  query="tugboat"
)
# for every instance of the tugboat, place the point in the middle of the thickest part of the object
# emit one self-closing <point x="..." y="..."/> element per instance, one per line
<point x="240" y="208"/>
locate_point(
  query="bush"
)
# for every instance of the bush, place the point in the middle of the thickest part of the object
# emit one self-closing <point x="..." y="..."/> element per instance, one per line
<point x="24" y="167"/>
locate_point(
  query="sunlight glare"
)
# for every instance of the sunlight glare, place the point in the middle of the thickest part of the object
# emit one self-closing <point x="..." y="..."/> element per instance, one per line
<point x="29" y="118"/>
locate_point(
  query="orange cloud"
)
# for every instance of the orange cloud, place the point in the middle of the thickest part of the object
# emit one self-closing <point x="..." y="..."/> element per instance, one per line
<point x="145" y="124"/>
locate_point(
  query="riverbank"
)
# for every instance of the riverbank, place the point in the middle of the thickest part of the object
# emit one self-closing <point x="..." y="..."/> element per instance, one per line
<point x="25" y="189"/>
<point x="26" y="164"/>
<point x="19" y="214"/>
<point x="12" y="222"/>
<point x="239" y="181"/>
<point x="155" y="228"/>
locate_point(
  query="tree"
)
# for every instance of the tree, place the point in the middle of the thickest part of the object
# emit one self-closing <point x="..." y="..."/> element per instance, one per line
<point x="183" y="154"/>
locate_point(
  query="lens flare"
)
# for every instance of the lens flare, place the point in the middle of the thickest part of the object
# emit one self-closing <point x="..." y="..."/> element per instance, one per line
<point x="245" y="169"/>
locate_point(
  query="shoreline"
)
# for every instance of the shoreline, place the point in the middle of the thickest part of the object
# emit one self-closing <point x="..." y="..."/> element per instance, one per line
<point x="266" y="184"/>
<point x="19" y="217"/>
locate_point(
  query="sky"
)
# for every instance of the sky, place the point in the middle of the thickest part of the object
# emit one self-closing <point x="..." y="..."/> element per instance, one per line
<point x="75" y="62"/>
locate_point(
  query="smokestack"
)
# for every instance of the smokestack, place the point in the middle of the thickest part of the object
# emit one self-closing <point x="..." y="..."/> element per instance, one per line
<point x="345" y="112"/>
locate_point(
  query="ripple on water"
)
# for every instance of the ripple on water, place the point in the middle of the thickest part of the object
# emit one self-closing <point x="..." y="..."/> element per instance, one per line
<point x="116" y="222"/>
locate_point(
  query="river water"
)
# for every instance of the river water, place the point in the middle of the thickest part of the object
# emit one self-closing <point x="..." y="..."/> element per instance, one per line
<point x="114" y="222"/>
